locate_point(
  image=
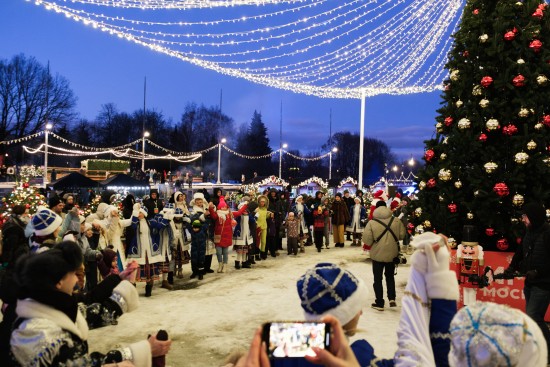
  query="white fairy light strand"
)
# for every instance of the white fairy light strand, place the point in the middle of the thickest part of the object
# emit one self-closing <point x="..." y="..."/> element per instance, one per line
<point x="312" y="47"/>
<point x="24" y="138"/>
<point x="249" y="156"/>
<point x="310" y="159"/>
<point x="137" y="141"/>
<point x="316" y="180"/>
<point x="181" y="153"/>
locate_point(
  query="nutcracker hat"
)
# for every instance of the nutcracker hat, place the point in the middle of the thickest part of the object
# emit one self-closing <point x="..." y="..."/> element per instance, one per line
<point x="45" y="222"/>
<point x="490" y="334"/>
<point x="470" y="235"/>
<point x="178" y="213"/>
<point x="329" y="289"/>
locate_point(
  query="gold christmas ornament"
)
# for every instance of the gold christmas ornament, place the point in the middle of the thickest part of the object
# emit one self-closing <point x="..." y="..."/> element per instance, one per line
<point x="521" y="61"/>
<point x="441" y="199"/>
<point x="427" y="224"/>
<point x="470" y="215"/>
<point x="477" y="91"/>
<point x="514" y="220"/>
<point x="490" y="167"/>
<point x="444" y="174"/>
<point x="464" y="123"/>
<point x="446" y="140"/>
<point x="459" y="103"/>
<point x="439" y="127"/>
<point x="443" y="156"/>
<point x="547" y="161"/>
<point x="422" y="185"/>
<point x="452" y="242"/>
<point x="492" y="124"/>
<point x="477" y="193"/>
<point x="547" y="213"/>
<point x="518" y="200"/>
<point x="458" y="184"/>
<point x="532" y="145"/>
<point x="483" y="38"/>
<point x="521" y="157"/>
<point x="419" y="229"/>
<point x="454" y="75"/>
<point x="484" y="103"/>
<point x="539" y="126"/>
<point x="542" y="79"/>
<point x="418" y="211"/>
<point x="524" y="112"/>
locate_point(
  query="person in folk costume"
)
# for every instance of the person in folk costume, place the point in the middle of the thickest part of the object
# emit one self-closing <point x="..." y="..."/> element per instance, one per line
<point x="327" y="204"/>
<point x="300" y="211"/>
<point x="261" y="214"/>
<point x="340" y="216"/>
<point x="358" y="216"/>
<point x="242" y="235"/>
<point x="199" y="236"/>
<point x="145" y="249"/>
<point x="167" y="245"/>
<point x="253" y="249"/>
<point x="46" y="225"/>
<point x="112" y="228"/>
<point x="224" y="219"/>
<point x="179" y="200"/>
<point x="180" y="254"/>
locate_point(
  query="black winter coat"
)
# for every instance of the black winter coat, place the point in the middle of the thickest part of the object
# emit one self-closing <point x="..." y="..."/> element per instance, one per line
<point x="534" y="254"/>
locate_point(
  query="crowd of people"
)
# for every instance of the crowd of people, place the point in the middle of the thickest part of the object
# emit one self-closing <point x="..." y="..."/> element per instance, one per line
<point x="64" y="273"/>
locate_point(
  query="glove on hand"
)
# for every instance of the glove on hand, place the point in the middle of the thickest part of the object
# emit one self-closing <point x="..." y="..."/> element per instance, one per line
<point x="137" y="206"/>
<point x="440" y="281"/>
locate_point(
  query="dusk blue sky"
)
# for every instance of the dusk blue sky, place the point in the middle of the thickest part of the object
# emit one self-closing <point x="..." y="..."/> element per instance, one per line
<point x="105" y="69"/>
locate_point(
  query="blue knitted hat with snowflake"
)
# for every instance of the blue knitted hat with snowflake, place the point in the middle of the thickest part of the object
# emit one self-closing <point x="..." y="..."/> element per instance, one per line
<point x="328" y="289"/>
<point x="45" y="222"/>
<point x="178" y="213"/>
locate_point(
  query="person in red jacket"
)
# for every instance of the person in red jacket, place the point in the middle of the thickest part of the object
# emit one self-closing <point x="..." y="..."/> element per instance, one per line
<point x="223" y="230"/>
<point x="319" y="215"/>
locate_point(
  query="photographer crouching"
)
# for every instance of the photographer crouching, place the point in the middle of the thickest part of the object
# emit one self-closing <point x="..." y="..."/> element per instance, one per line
<point x="383" y="234"/>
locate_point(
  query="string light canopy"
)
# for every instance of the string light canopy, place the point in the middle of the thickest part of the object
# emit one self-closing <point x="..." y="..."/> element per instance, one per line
<point x="326" y="48"/>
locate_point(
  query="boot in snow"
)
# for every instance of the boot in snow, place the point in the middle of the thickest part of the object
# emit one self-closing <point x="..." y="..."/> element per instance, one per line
<point x="237" y="264"/>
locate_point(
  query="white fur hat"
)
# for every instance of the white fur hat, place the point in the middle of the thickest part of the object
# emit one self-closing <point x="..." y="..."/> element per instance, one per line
<point x="100" y="211"/>
<point x="489" y="334"/>
<point x="198" y="195"/>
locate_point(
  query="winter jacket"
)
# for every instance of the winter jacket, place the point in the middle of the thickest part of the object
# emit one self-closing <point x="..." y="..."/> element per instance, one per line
<point x="340" y="213"/>
<point x="53" y="332"/>
<point x="534" y="254"/>
<point x="386" y="248"/>
<point x="154" y="207"/>
<point x="319" y="219"/>
<point x="358" y="215"/>
<point x="15" y="245"/>
<point x="293" y="228"/>
<point x="223" y="225"/>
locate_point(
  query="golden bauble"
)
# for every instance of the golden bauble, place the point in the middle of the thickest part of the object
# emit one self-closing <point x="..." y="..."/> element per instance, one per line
<point x="459" y="103"/>
<point x="418" y="212"/>
<point x="444" y="174"/>
<point x="422" y="185"/>
<point x="454" y="75"/>
<point x="490" y="167"/>
<point x="419" y="229"/>
<point x="524" y="112"/>
<point x="427" y="224"/>
<point x="439" y="127"/>
<point x="458" y="184"/>
<point x="521" y="158"/>
<point x="518" y="200"/>
<point x="483" y="38"/>
<point x="477" y="91"/>
<point x="542" y="79"/>
<point x="464" y="123"/>
<point x="492" y="124"/>
<point x="484" y="103"/>
<point x="443" y="156"/>
<point x="470" y="215"/>
<point x="532" y="145"/>
<point x="539" y="126"/>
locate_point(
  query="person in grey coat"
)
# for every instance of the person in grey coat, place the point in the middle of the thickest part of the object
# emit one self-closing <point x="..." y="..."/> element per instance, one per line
<point x="383" y="233"/>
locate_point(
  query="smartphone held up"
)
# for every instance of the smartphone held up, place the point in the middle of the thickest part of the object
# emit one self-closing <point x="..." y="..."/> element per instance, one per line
<point x="294" y="339"/>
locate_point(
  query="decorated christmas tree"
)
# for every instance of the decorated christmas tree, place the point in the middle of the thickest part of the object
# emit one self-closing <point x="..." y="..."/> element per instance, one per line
<point x="490" y="153"/>
<point x="22" y="194"/>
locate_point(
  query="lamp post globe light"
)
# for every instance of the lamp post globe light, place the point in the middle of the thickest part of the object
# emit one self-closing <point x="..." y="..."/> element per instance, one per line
<point x="48" y="126"/>
<point x="222" y="141"/>
<point x="145" y="135"/>
<point x="333" y="150"/>
<point x="284" y="146"/>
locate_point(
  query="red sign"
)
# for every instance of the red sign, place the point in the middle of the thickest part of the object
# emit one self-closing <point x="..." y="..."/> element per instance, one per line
<point x="502" y="291"/>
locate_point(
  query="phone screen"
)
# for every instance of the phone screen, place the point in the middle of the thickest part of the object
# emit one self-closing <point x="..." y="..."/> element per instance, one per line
<point x="294" y="339"/>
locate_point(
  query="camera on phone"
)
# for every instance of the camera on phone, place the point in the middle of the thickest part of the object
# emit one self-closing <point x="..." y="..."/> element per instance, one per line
<point x="295" y="339"/>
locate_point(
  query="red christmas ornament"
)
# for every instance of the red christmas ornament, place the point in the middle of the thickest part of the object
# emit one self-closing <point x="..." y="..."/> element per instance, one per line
<point x="431" y="183"/>
<point x="535" y="45"/>
<point x="429" y="154"/>
<point x="501" y="189"/>
<point x="476" y="11"/>
<point x="538" y="13"/>
<point x="509" y="130"/>
<point x="502" y="244"/>
<point x="519" y="81"/>
<point x="448" y="121"/>
<point x="452" y="207"/>
<point x="482" y="137"/>
<point x="466" y="53"/>
<point x="489" y="231"/>
<point x="546" y="120"/>
<point x="486" y="81"/>
<point x="509" y="36"/>
<point x="25" y="185"/>
<point x="28" y="206"/>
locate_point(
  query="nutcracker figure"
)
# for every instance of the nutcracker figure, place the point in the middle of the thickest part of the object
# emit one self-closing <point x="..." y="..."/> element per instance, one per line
<point x="469" y="265"/>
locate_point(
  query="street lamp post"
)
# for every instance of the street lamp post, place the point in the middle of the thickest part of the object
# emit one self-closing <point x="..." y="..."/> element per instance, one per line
<point x="223" y="141"/>
<point x="145" y="135"/>
<point x="48" y="128"/>
<point x="284" y="146"/>
<point x="334" y="150"/>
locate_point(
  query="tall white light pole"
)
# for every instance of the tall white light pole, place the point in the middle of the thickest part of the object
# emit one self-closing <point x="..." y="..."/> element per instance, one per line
<point x="334" y="150"/>
<point x="48" y="128"/>
<point x="223" y="141"/>
<point x="145" y="135"/>
<point x="284" y="146"/>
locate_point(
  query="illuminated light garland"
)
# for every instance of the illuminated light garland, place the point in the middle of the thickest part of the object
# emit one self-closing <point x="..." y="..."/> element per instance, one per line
<point x="19" y="140"/>
<point x="272" y="180"/>
<point x="308" y="159"/>
<point x="181" y="153"/>
<point x="137" y="141"/>
<point x="347" y="180"/>
<point x="250" y="156"/>
<point x="314" y="179"/>
<point x="314" y="47"/>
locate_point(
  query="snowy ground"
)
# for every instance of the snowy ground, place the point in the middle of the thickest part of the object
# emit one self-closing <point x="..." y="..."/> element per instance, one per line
<point x="210" y="318"/>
